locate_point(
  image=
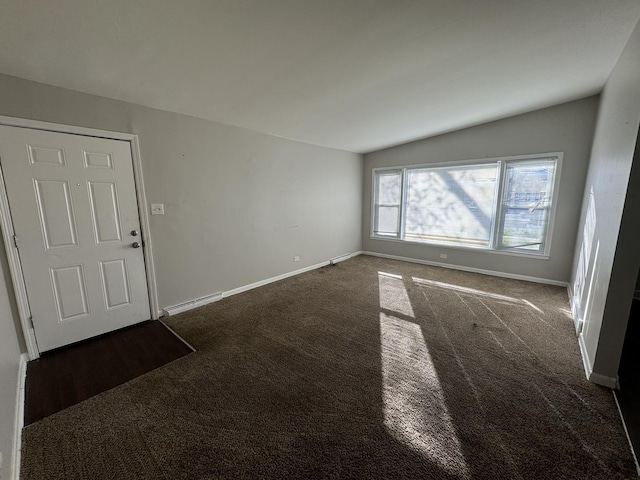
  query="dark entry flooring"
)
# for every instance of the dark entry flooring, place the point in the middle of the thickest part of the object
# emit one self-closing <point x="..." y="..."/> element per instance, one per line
<point x="69" y="375"/>
<point x="629" y="377"/>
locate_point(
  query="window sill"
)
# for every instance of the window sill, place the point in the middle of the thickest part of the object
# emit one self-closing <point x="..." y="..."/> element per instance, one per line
<point x="536" y="256"/>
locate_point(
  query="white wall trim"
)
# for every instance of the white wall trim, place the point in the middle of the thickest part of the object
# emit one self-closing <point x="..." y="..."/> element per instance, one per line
<point x="586" y="362"/>
<point x="60" y="128"/>
<point x="145" y="227"/>
<point x="191" y="304"/>
<point x="470" y="269"/>
<point x="603" y="380"/>
<point x="18" y="423"/>
<point x="261" y="283"/>
<point x="7" y="225"/>
<point x="15" y="267"/>
<point x="342" y="258"/>
<point x="267" y="281"/>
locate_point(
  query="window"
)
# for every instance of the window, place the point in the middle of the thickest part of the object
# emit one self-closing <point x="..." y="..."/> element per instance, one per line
<point x="388" y="194"/>
<point x="502" y="204"/>
<point x="451" y="204"/>
<point x="525" y="204"/>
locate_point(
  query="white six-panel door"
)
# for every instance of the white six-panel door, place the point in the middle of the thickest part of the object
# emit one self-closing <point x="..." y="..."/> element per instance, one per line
<point x="75" y="215"/>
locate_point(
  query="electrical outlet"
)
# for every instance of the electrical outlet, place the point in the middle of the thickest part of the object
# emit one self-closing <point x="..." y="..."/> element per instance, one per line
<point x="157" y="209"/>
<point x="443" y="256"/>
<point x="296" y="258"/>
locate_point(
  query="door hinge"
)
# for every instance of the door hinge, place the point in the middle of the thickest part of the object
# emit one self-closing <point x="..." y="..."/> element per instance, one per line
<point x="31" y="322"/>
<point x="15" y="240"/>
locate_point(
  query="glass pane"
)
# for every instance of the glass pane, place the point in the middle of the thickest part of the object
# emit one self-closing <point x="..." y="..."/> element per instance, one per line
<point x="387" y="220"/>
<point x="389" y="188"/>
<point x="451" y="204"/>
<point x="526" y="203"/>
<point x="388" y="192"/>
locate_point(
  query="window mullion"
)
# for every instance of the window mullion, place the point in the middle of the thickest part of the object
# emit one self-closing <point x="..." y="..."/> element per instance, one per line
<point x="403" y="202"/>
<point x="374" y="194"/>
<point x="498" y="222"/>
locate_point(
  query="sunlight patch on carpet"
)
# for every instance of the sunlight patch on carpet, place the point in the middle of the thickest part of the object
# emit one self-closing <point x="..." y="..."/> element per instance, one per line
<point x="415" y="410"/>
<point x="475" y="292"/>
<point x="393" y="294"/>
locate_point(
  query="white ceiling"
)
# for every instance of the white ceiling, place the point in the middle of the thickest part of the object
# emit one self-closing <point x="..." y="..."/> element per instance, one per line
<point x="357" y="75"/>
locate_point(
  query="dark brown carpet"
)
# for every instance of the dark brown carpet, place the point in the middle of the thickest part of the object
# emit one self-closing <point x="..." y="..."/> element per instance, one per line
<point x="369" y="369"/>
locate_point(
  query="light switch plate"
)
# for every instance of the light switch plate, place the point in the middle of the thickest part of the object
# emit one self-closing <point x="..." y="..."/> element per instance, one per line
<point x="157" y="209"/>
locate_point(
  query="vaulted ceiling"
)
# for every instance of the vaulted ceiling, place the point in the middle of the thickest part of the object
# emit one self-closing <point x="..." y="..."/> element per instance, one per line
<point x="357" y="75"/>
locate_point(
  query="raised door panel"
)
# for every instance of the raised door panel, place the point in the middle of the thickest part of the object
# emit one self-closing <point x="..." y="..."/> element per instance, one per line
<point x="115" y="283"/>
<point x="97" y="160"/>
<point x="46" y="156"/>
<point x="105" y="212"/>
<point x="55" y="209"/>
<point x="70" y="292"/>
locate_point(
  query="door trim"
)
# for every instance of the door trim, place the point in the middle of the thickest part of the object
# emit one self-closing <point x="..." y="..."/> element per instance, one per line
<point x="6" y="222"/>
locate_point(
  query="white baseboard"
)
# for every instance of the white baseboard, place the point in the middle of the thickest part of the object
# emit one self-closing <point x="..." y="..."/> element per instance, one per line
<point x="605" y="381"/>
<point x="342" y="258"/>
<point x="18" y="422"/>
<point x="267" y="281"/>
<point x="191" y="304"/>
<point x="183" y="307"/>
<point x="570" y="293"/>
<point x="470" y="269"/>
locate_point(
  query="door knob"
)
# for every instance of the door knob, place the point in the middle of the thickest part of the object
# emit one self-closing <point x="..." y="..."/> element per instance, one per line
<point x="135" y="245"/>
<point x="134" y="233"/>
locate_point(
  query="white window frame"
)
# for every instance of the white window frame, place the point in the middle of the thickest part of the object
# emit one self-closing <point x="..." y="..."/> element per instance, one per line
<point x="400" y="222"/>
<point x="498" y="217"/>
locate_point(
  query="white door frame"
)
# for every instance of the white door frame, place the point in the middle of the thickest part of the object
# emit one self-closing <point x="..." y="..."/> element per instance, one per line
<point x="6" y="222"/>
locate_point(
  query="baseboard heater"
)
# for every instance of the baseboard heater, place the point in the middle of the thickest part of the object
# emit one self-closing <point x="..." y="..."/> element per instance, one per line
<point x="198" y="302"/>
<point x="341" y="258"/>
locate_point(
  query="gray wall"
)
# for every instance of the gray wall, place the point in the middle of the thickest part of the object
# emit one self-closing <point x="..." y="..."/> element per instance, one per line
<point x="611" y="278"/>
<point x="238" y="204"/>
<point x="567" y="128"/>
